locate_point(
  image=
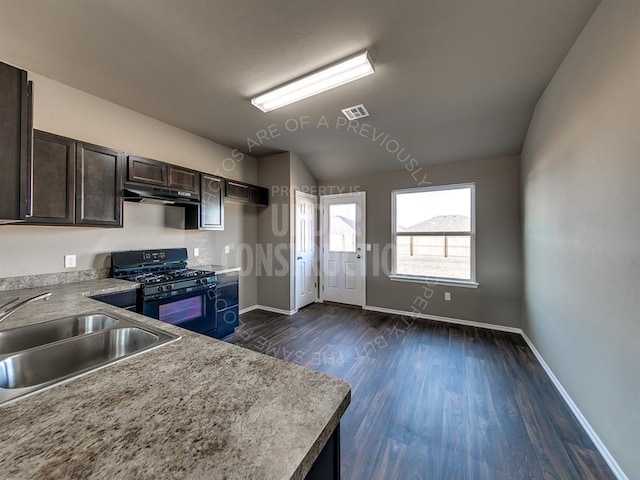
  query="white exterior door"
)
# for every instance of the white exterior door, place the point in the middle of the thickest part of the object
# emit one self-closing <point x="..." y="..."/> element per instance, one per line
<point x="305" y="249"/>
<point x="343" y="248"/>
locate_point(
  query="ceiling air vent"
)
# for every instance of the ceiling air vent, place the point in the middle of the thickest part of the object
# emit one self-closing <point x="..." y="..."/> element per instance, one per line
<point x="355" y="112"/>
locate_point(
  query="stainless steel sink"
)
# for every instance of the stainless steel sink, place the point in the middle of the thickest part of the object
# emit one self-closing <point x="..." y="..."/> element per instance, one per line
<point x="29" y="336"/>
<point x="95" y="341"/>
<point x="40" y="365"/>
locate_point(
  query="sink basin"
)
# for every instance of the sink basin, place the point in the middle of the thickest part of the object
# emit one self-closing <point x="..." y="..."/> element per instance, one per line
<point x="29" y="336"/>
<point x="57" y="361"/>
<point x="44" y="354"/>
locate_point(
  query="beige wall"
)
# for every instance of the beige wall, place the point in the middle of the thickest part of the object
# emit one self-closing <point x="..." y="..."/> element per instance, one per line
<point x="498" y="266"/>
<point x="28" y="250"/>
<point x="581" y="186"/>
<point x="283" y="173"/>
<point x="301" y="178"/>
<point x="273" y="233"/>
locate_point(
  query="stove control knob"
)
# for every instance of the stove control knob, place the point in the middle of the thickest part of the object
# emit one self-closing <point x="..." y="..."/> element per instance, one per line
<point x="169" y="287"/>
<point x="160" y="289"/>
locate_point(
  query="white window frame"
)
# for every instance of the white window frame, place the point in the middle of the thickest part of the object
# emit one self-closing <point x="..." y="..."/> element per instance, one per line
<point x="471" y="283"/>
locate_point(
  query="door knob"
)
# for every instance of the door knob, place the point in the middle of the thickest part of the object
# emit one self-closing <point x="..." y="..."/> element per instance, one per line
<point x="299" y="258"/>
<point x="358" y="256"/>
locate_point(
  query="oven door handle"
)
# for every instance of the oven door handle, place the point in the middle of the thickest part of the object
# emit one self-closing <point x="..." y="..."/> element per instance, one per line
<point x="204" y="289"/>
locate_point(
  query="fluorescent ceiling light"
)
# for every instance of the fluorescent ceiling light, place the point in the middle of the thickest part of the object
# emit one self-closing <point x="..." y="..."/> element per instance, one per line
<point x="333" y="76"/>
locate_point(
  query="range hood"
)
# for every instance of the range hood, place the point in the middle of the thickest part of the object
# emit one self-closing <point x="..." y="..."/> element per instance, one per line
<point x="8" y="221"/>
<point x="159" y="195"/>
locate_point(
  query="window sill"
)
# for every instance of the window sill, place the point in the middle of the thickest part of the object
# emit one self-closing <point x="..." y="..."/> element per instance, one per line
<point x="432" y="281"/>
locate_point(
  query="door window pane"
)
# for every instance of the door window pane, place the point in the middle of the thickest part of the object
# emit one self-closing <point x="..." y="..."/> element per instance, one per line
<point x="342" y="228"/>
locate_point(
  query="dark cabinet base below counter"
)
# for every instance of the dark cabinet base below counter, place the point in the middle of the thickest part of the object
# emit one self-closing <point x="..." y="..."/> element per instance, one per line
<point x="327" y="465"/>
<point x="126" y="299"/>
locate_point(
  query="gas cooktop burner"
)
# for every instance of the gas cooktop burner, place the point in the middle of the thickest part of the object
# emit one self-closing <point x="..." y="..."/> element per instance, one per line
<point x="160" y="272"/>
<point x="167" y="276"/>
<point x="187" y="273"/>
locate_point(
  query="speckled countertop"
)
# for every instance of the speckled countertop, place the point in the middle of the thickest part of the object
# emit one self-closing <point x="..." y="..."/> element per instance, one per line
<point x="220" y="268"/>
<point x="195" y="408"/>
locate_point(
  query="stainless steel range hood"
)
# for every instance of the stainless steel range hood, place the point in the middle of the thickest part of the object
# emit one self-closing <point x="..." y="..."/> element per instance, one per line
<point x="4" y="221"/>
<point x="159" y="195"/>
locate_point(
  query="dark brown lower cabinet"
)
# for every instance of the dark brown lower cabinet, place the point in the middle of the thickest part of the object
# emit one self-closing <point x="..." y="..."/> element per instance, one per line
<point x="99" y="185"/>
<point x="53" y="171"/>
<point x="327" y="465"/>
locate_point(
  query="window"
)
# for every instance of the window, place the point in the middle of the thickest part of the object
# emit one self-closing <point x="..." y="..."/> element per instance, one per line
<point x="434" y="234"/>
<point x="342" y="227"/>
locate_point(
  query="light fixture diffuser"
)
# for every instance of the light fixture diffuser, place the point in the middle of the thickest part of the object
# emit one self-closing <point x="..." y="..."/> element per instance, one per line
<point x="332" y="76"/>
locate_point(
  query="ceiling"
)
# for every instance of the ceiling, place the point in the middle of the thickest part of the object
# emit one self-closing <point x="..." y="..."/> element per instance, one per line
<point x="455" y="79"/>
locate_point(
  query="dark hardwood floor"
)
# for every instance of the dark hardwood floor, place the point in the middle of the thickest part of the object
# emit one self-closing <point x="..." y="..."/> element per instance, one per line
<point x="432" y="400"/>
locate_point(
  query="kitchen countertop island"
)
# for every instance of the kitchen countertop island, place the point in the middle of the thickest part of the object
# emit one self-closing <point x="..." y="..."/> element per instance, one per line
<point x="195" y="408"/>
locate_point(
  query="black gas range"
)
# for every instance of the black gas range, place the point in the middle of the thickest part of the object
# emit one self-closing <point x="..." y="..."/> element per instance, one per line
<point x="169" y="290"/>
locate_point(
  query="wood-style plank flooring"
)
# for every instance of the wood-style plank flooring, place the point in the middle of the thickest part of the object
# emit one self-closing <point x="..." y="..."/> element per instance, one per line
<point x="432" y="400"/>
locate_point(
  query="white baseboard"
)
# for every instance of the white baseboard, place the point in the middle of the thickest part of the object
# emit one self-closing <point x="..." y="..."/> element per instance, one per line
<point x="578" y="414"/>
<point x="268" y="309"/>
<point x="457" y="321"/>
<point x="248" y="309"/>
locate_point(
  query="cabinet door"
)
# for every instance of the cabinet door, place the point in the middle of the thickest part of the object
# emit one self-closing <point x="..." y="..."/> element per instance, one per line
<point x="15" y="137"/>
<point x="99" y="183"/>
<point x="237" y="191"/>
<point x="259" y="195"/>
<point x="209" y="215"/>
<point x="227" y="321"/>
<point x="212" y="207"/>
<point x="145" y="170"/>
<point x="52" y="180"/>
<point x="183" y="179"/>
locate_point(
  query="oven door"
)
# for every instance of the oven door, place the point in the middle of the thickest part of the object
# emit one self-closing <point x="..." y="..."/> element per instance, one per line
<point x="195" y="311"/>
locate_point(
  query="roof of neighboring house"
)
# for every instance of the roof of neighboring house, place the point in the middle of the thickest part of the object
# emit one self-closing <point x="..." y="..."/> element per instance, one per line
<point x="346" y="225"/>
<point x="441" y="223"/>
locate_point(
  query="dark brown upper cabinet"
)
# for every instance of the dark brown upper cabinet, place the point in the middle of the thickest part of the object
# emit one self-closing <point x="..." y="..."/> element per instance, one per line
<point x="258" y="196"/>
<point x="53" y="170"/>
<point x="146" y="170"/>
<point x="245" y="193"/>
<point x="75" y="183"/>
<point x="183" y="179"/>
<point x="161" y="174"/>
<point x="209" y="215"/>
<point x="15" y="141"/>
<point x="237" y="191"/>
<point x="99" y="184"/>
